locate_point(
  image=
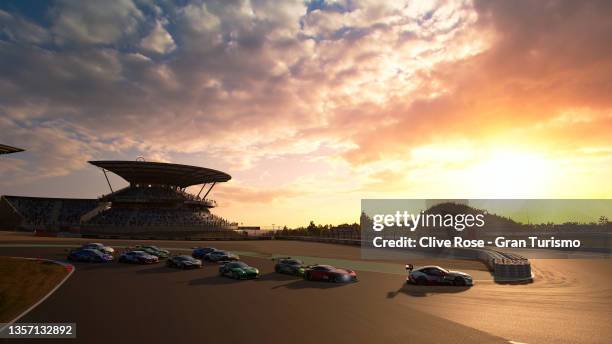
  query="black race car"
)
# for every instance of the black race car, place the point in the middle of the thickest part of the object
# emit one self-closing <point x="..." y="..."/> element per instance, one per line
<point x="290" y="266"/>
<point x="184" y="262"/>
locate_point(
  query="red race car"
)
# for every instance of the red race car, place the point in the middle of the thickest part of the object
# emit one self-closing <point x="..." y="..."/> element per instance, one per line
<point x="329" y="273"/>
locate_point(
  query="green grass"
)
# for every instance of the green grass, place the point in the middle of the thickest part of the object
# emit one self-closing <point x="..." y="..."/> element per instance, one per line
<point x="24" y="282"/>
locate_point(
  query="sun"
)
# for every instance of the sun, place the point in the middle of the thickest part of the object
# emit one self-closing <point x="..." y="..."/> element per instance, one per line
<point x="510" y="174"/>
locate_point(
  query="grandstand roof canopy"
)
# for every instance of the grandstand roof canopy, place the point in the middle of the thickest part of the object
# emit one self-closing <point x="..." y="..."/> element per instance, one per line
<point x="4" y="149"/>
<point x="145" y="172"/>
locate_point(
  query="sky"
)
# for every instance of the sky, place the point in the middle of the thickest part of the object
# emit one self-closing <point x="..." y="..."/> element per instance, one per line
<point x="311" y="106"/>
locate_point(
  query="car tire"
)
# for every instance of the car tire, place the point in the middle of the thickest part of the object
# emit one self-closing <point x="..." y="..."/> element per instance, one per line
<point x="459" y="282"/>
<point x="421" y="281"/>
<point x="277" y="269"/>
<point x="235" y="275"/>
<point x="337" y="279"/>
<point x="307" y="276"/>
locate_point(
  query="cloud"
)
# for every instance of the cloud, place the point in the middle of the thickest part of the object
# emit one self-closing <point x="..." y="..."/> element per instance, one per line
<point x="230" y="194"/>
<point x="542" y="59"/>
<point x="84" y="22"/>
<point x="249" y="85"/>
<point x="158" y="41"/>
<point x="16" y="28"/>
<point x="51" y="150"/>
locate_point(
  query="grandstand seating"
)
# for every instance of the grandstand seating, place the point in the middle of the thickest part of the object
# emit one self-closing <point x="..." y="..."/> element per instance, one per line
<point x="50" y="212"/>
<point x="155" y="217"/>
<point x="53" y="214"/>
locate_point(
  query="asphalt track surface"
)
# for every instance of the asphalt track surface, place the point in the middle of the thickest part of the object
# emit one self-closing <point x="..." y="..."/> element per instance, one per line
<point x="570" y="302"/>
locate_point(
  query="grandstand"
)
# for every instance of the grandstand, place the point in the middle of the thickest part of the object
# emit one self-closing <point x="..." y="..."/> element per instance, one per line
<point x="43" y="214"/>
<point x="4" y="149"/>
<point x="155" y="203"/>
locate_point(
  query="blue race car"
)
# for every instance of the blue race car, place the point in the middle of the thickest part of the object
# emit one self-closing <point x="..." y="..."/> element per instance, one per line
<point x="89" y="255"/>
<point x="201" y="252"/>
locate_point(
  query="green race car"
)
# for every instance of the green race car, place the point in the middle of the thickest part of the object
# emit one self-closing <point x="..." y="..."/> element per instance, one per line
<point x="154" y="250"/>
<point x="290" y="266"/>
<point x="238" y="270"/>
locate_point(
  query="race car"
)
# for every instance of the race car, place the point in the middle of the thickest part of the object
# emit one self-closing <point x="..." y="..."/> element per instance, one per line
<point x="99" y="247"/>
<point x="290" y="266"/>
<point x="138" y="257"/>
<point x="153" y="250"/>
<point x="201" y="252"/>
<point x="89" y="255"/>
<point x="329" y="273"/>
<point x="435" y="275"/>
<point x="221" y="256"/>
<point x="184" y="262"/>
<point x="238" y="270"/>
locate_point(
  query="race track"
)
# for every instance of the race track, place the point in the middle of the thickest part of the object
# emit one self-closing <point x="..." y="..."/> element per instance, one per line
<point x="118" y="303"/>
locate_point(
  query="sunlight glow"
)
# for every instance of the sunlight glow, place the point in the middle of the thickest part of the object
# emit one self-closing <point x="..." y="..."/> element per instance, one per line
<point x="510" y="174"/>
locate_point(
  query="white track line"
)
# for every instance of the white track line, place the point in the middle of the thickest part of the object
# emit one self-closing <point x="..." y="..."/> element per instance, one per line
<point x="68" y="267"/>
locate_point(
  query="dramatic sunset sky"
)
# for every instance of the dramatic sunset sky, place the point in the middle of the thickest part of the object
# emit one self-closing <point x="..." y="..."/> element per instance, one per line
<point x="311" y="105"/>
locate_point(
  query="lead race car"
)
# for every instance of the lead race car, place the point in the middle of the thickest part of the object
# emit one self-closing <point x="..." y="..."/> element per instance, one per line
<point x="435" y="275"/>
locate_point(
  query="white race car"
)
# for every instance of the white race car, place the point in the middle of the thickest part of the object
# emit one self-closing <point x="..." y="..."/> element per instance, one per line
<point x="435" y="275"/>
<point x="99" y="247"/>
<point x="221" y="256"/>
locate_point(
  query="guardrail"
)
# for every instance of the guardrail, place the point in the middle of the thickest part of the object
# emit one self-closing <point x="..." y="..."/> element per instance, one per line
<point x="173" y="237"/>
<point x="344" y="241"/>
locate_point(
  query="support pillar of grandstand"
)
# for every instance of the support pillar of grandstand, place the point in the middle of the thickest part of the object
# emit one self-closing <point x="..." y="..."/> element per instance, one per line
<point x="211" y="187"/>
<point x="203" y="185"/>
<point x="108" y="181"/>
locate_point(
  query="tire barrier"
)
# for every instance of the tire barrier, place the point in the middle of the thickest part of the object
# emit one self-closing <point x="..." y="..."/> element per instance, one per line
<point x="507" y="267"/>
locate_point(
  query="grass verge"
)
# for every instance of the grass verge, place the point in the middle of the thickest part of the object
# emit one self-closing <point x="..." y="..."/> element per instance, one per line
<point x="23" y="282"/>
